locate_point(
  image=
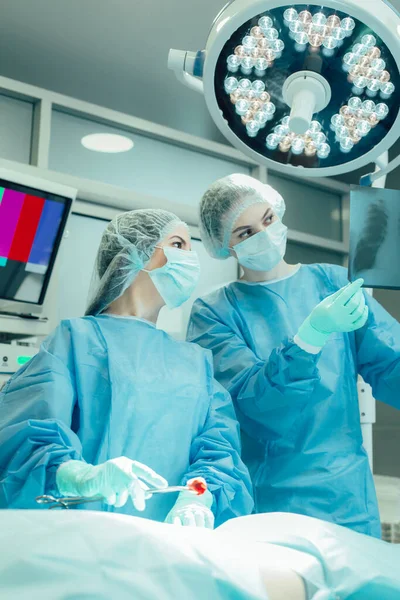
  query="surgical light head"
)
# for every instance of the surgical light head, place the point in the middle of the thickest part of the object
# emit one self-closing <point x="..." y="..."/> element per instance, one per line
<point x="223" y="203"/>
<point x="126" y="247"/>
<point x="302" y="86"/>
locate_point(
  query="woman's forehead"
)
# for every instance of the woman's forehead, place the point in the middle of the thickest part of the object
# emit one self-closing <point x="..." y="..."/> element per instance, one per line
<point x="179" y="231"/>
<point x="252" y="214"/>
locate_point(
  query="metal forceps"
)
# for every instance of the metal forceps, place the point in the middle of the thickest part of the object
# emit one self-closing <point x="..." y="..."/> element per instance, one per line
<point x="67" y="502"/>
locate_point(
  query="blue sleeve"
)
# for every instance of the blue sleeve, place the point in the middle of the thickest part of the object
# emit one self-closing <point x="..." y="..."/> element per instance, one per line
<point x="36" y="412"/>
<point x="377" y="348"/>
<point x="378" y="353"/>
<point x="215" y="455"/>
<point x="271" y="393"/>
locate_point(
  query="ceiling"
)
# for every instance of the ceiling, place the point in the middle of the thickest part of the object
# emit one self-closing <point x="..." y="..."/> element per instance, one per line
<point x="112" y="53"/>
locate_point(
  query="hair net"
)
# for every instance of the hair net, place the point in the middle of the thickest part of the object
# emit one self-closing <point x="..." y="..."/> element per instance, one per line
<point x="126" y="247"/>
<point x="223" y="203"/>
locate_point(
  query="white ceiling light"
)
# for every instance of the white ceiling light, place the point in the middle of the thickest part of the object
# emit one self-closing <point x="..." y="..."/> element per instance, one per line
<point x="300" y="85"/>
<point x="107" y="142"/>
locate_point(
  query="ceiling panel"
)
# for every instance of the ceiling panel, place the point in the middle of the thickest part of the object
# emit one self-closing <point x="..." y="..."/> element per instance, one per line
<point x="112" y="53"/>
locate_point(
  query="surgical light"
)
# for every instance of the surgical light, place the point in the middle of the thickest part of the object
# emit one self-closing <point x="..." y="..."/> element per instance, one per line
<point x="272" y="72"/>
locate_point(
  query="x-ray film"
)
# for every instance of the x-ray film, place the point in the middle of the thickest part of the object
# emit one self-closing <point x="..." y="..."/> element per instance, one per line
<point x="375" y="237"/>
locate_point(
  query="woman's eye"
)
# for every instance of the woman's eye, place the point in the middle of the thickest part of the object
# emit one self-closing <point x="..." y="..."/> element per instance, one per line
<point x="268" y="220"/>
<point x="177" y="245"/>
<point x="245" y="234"/>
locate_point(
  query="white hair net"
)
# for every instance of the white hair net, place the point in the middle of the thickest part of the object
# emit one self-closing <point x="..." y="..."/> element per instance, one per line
<point x="126" y="247"/>
<point x="223" y="203"/>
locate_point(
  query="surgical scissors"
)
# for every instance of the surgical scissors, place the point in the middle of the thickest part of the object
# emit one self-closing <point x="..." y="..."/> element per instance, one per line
<point x="67" y="502"/>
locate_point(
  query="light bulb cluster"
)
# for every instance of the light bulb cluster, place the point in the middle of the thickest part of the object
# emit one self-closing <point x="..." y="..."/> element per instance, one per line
<point x="367" y="70"/>
<point x="355" y="120"/>
<point x="317" y="29"/>
<point x="311" y="143"/>
<point x="258" y="49"/>
<point x="252" y="102"/>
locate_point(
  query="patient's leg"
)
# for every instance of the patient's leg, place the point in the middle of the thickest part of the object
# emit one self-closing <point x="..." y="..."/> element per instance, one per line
<point x="349" y="564"/>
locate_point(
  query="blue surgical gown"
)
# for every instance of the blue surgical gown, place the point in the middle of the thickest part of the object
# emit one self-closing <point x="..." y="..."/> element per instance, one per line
<point x="103" y="387"/>
<point x="299" y="412"/>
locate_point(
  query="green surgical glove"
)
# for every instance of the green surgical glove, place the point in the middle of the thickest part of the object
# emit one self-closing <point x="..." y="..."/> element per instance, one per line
<point x="192" y="511"/>
<point x="343" y="311"/>
<point x="115" y="480"/>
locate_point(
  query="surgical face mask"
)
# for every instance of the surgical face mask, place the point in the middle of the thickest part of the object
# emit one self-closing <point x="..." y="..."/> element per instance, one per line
<point x="264" y="250"/>
<point x="177" y="279"/>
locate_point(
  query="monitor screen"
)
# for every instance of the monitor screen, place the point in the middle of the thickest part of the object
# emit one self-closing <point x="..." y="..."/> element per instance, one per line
<point x="31" y="226"/>
<point x="375" y="237"/>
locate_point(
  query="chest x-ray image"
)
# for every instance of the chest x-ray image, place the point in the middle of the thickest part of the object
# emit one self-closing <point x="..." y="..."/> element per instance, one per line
<point x="375" y="237"/>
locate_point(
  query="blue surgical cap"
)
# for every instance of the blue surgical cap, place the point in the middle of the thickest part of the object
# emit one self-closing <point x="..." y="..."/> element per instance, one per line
<point x="126" y="246"/>
<point x="224" y="202"/>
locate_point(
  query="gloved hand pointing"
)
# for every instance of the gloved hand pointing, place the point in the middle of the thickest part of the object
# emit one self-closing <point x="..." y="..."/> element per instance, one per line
<point x="115" y="480"/>
<point x="343" y="311"/>
<point x="192" y="511"/>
